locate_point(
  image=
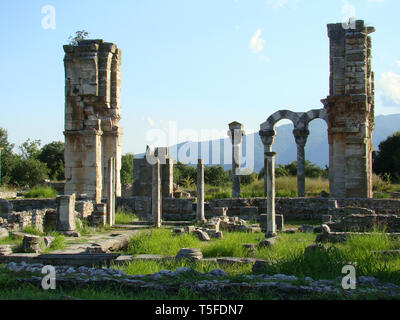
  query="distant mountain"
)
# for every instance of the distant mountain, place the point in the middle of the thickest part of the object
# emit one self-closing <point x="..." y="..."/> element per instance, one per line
<point x="317" y="148"/>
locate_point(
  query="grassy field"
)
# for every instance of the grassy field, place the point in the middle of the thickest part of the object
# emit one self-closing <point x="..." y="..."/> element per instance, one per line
<point x="287" y="187"/>
<point x="287" y="255"/>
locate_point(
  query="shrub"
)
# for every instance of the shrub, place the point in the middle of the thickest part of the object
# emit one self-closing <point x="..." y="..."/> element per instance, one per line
<point x="29" y="172"/>
<point x="41" y="192"/>
<point x="127" y="168"/>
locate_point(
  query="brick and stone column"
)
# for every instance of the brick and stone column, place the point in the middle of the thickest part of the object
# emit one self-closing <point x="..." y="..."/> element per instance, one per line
<point x="200" y="191"/>
<point x="301" y="136"/>
<point x="350" y="108"/>
<point x="236" y="134"/>
<point x="270" y="168"/>
<point x="92" y="114"/>
<point x="156" y="195"/>
<point x="267" y="138"/>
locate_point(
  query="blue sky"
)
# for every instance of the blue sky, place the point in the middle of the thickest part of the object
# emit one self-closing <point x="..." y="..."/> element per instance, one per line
<point x="200" y="64"/>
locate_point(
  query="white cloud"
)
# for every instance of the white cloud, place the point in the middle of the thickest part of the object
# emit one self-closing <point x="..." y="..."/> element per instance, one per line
<point x="390" y="85"/>
<point x="277" y="3"/>
<point x="150" y="121"/>
<point x="256" y="43"/>
<point x="398" y="63"/>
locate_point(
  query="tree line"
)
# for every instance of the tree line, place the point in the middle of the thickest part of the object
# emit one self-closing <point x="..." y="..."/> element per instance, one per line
<point x="35" y="163"/>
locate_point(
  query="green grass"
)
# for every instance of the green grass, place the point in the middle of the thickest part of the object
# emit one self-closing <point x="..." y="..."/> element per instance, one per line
<point x="286" y="187"/>
<point x="287" y="255"/>
<point x="11" y="240"/>
<point x="57" y="244"/>
<point x="122" y="217"/>
<point x="41" y="192"/>
<point x="161" y="241"/>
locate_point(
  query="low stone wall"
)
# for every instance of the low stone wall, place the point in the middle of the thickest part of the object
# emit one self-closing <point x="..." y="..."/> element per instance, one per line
<point x="365" y="223"/>
<point x="173" y="209"/>
<point x="6" y="195"/>
<point x="305" y="208"/>
<point x="19" y="205"/>
<point x="19" y="220"/>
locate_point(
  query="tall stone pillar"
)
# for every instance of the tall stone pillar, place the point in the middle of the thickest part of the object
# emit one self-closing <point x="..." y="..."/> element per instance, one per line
<point x="236" y="134"/>
<point x="156" y="195"/>
<point x="92" y="113"/>
<point x="270" y="168"/>
<point x="267" y="138"/>
<point x="200" y="191"/>
<point x="350" y="108"/>
<point x="301" y="136"/>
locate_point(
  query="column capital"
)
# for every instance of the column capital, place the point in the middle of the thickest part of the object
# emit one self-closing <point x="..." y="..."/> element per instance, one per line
<point x="300" y="136"/>
<point x="267" y="137"/>
<point x="236" y="132"/>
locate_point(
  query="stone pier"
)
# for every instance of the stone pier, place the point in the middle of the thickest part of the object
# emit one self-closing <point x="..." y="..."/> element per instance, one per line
<point x="156" y="195"/>
<point x="200" y="191"/>
<point x="350" y="108"/>
<point x="236" y="134"/>
<point x="65" y="213"/>
<point x="301" y="139"/>
<point x="92" y="113"/>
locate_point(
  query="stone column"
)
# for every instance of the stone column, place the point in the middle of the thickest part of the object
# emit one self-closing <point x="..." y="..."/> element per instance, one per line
<point x="111" y="191"/>
<point x="200" y="191"/>
<point x="156" y="195"/>
<point x="65" y="213"/>
<point x="300" y="136"/>
<point x="236" y="134"/>
<point x="267" y="138"/>
<point x="270" y="169"/>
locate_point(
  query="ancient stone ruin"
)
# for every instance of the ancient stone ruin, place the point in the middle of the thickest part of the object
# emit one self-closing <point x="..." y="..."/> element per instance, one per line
<point x="348" y="112"/>
<point x="92" y="113"/>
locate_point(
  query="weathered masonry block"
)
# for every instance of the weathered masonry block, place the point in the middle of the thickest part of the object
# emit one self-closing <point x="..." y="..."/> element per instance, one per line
<point x="92" y="113"/>
<point x="143" y="173"/>
<point x="350" y="108"/>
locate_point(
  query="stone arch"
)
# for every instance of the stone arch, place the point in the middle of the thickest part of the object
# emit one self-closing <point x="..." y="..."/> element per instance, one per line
<point x="278" y="116"/>
<point x="314" y="114"/>
<point x="300" y="121"/>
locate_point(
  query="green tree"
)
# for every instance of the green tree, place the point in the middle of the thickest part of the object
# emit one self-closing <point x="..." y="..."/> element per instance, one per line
<point x="387" y="159"/>
<point x="52" y="155"/>
<point x="28" y="172"/>
<point x="311" y="170"/>
<point x="79" y="36"/>
<point x="127" y="168"/>
<point x="183" y="172"/>
<point x="215" y="175"/>
<point x="30" y="149"/>
<point x="7" y="156"/>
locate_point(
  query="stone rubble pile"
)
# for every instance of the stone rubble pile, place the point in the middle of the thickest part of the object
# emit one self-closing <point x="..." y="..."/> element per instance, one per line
<point x="284" y="286"/>
<point x="5" y="250"/>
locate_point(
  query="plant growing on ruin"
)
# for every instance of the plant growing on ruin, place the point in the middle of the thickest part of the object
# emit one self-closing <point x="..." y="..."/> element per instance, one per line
<point x="79" y="36"/>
